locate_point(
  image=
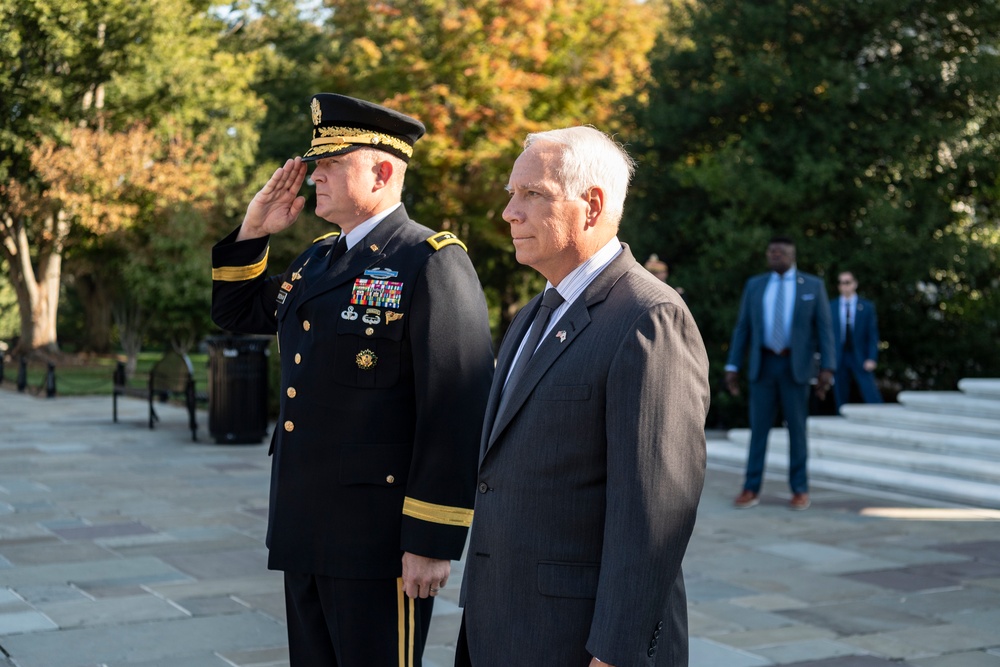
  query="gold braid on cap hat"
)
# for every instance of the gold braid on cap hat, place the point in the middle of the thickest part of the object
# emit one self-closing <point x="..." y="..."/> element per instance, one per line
<point x="348" y="136"/>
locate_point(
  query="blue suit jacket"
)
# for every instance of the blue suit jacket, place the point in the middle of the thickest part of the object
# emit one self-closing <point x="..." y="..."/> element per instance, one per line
<point x="811" y="327"/>
<point x="865" y="331"/>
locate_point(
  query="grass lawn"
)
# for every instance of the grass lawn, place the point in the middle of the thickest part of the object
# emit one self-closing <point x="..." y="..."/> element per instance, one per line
<point x="93" y="375"/>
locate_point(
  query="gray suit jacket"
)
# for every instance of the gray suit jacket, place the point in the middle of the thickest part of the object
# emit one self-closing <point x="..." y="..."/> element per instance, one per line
<point x="589" y="483"/>
<point x="811" y="328"/>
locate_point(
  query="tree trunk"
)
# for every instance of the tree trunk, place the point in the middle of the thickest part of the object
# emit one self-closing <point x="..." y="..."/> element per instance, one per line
<point x="131" y="327"/>
<point x="37" y="292"/>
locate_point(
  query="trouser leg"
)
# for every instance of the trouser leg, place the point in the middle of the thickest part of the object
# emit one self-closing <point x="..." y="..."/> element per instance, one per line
<point x="354" y="622"/>
<point x="763" y="410"/>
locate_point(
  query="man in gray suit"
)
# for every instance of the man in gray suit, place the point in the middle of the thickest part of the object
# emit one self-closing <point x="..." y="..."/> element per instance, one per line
<point x="784" y="320"/>
<point x="593" y="453"/>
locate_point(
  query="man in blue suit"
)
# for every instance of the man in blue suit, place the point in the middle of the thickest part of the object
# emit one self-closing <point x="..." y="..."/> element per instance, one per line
<point x="855" y="325"/>
<point x="784" y="320"/>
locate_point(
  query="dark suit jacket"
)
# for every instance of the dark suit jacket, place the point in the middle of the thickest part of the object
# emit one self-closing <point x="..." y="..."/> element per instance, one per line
<point x="386" y="363"/>
<point x="589" y="483"/>
<point x="865" y="332"/>
<point x="811" y="330"/>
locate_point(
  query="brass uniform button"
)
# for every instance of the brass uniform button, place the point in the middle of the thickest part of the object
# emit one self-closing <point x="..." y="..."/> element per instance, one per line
<point x="390" y="479"/>
<point x="291" y="392"/>
<point x="369" y="331"/>
<point x="306" y="325"/>
<point x="298" y="358"/>
<point x="289" y="426"/>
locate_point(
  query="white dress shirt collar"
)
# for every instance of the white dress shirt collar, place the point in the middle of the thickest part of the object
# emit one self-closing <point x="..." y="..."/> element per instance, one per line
<point x="353" y="237"/>
<point x="570" y="289"/>
<point x="787" y="275"/>
<point x="579" y="279"/>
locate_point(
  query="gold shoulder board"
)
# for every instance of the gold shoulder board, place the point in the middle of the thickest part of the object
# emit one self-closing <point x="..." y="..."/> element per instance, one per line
<point x="441" y="239"/>
<point x="325" y="236"/>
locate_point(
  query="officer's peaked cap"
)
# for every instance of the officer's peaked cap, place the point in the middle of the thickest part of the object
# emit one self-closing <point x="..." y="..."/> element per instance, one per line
<point x="342" y="124"/>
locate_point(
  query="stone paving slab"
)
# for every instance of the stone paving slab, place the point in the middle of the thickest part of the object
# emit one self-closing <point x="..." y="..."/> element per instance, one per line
<point x="125" y="547"/>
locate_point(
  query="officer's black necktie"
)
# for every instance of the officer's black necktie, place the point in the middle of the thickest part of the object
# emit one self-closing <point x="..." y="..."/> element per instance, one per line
<point x="339" y="248"/>
<point x="550" y="301"/>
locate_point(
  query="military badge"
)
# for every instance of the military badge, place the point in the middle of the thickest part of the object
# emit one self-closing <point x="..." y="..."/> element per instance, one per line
<point x="287" y="286"/>
<point x="381" y="273"/>
<point x="348" y="314"/>
<point x="298" y="272"/>
<point x="392" y="317"/>
<point x="366" y="360"/>
<point x="372" y="316"/>
<point x="317" y="113"/>
<point x="377" y="293"/>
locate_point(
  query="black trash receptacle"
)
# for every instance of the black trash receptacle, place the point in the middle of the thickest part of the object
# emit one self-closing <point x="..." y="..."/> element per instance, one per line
<point x="237" y="388"/>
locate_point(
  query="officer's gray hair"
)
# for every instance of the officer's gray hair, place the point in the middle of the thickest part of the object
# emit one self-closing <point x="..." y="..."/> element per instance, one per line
<point x="591" y="158"/>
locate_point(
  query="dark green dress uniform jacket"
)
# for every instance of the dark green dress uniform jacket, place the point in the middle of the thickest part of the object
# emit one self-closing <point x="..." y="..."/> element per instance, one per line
<point x="386" y="364"/>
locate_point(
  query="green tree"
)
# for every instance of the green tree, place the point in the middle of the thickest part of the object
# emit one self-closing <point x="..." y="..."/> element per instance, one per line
<point x="868" y="131"/>
<point x="288" y="41"/>
<point x="82" y="75"/>
<point x="481" y="75"/>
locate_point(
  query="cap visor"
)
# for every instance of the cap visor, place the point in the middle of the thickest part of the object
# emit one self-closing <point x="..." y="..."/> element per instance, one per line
<point x="329" y="150"/>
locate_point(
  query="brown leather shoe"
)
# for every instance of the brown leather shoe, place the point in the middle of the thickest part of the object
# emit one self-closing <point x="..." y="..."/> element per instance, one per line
<point x="799" y="502"/>
<point x="746" y="500"/>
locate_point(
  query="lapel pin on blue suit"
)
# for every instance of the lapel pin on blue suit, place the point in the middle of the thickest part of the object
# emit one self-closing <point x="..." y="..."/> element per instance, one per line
<point x="561" y="335"/>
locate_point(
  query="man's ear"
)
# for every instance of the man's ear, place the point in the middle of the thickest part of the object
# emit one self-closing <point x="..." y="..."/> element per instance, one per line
<point x="383" y="173"/>
<point x="595" y="205"/>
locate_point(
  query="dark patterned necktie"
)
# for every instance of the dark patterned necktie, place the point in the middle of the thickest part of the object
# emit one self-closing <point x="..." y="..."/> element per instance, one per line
<point x="550" y="301"/>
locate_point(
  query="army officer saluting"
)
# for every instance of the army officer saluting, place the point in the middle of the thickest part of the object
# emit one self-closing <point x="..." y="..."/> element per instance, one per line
<point x="386" y="364"/>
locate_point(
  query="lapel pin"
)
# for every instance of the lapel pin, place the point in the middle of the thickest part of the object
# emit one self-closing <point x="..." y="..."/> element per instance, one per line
<point x="561" y="335"/>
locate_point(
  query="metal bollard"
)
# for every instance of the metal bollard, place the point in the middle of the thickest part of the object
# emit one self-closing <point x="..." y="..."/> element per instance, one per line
<point x="50" y="381"/>
<point x="22" y="375"/>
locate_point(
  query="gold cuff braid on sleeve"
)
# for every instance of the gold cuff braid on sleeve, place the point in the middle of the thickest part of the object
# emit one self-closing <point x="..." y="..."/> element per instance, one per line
<point x="449" y="516"/>
<point x="235" y="274"/>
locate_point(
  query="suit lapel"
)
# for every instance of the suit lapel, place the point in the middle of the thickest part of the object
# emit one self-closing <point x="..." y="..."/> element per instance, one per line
<point x="505" y="358"/>
<point x="553" y="345"/>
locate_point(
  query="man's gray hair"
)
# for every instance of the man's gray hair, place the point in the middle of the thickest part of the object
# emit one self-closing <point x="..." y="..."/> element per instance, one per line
<point x="591" y="158"/>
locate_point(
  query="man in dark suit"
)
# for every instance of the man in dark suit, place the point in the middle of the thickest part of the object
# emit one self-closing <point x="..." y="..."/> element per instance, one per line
<point x="784" y="320"/>
<point x="593" y="452"/>
<point x="855" y="325"/>
<point x="386" y="364"/>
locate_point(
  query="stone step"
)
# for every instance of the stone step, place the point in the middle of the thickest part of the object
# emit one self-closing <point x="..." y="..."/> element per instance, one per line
<point x="951" y="403"/>
<point x="961" y="467"/>
<point x="981" y="387"/>
<point x="847" y="430"/>
<point x="968" y="492"/>
<point x="919" y="420"/>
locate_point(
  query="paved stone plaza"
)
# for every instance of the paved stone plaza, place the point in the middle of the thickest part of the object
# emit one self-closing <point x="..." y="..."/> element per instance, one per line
<point x="121" y="546"/>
